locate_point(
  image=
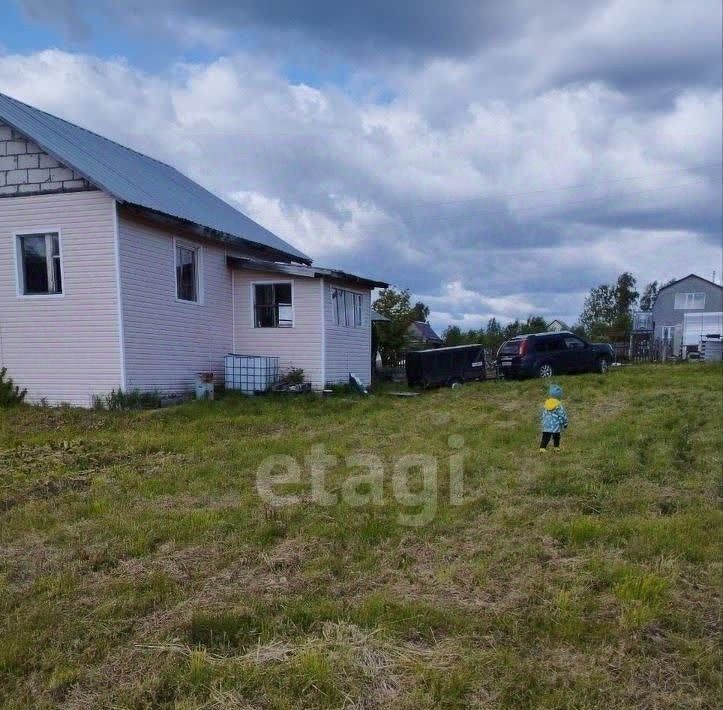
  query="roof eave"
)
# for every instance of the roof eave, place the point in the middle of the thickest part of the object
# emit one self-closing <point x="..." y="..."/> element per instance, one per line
<point x="351" y="278"/>
<point x="306" y="271"/>
<point x="212" y="234"/>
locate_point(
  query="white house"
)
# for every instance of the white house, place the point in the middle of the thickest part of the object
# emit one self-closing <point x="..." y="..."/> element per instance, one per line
<point x="117" y="271"/>
<point x="555" y="326"/>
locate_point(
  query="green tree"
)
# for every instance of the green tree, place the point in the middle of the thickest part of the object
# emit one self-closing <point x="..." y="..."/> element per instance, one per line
<point x="607" y="311"/>
<point x="599" y="310"/>
<point x="625" y="299"/>
<point x="535" y="324"/>
<point x="512" y="329"/>
<point x="420" y="311"/>
<point x="393" y="335"/>
<point x="493" y="335"/>
<point x="453" y="335"/>
<point x="650" y="293"/>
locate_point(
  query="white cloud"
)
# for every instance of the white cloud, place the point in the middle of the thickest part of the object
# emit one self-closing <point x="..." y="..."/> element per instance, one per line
<point x="358" y="184"/>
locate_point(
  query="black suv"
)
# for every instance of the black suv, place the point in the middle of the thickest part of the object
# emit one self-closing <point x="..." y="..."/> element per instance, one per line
<point x="547" y="354"/>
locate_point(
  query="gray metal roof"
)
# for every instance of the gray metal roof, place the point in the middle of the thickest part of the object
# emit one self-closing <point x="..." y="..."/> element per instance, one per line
<point x="695" y="276"/>
<point x="135" y="178"/>
<point x="426" y="332"/>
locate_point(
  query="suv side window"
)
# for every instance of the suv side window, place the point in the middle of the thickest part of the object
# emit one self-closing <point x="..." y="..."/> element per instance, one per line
<point x="554" y="343"/>
<point x="572" y="343"/>
<point x="542" y="345"/>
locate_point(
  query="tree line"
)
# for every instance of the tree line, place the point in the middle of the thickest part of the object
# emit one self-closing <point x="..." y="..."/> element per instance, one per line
<point x="607" y="314"/>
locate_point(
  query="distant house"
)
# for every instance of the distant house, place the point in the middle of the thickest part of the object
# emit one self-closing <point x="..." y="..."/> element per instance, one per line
<point x="685" y="312"/>
<point x="690" y="295"/>
<point x="117" y="271"/>
<point x="422" y="334"/>
<point x="555" y="326"/>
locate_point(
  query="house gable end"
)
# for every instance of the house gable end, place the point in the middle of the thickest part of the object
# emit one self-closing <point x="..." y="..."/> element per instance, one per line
<point x="26" y="169"/>
<point x="678" y="283"/>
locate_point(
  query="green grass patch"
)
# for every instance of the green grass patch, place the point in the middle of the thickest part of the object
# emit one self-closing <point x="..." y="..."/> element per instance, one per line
<point x="140" y="568"/>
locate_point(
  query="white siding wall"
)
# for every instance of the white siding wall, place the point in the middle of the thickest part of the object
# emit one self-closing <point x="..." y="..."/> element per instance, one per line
<point x="65" y="349"/>
<point x="347" y="349"/>
<point x="167" y="342"/>
<point x="299" y="346"/>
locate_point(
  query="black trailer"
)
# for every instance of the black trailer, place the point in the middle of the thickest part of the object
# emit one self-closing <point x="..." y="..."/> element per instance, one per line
<point x="445" y="366"/>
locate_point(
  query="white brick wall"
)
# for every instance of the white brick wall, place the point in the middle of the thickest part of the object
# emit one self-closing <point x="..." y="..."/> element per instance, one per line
<point x="26" y="170"/>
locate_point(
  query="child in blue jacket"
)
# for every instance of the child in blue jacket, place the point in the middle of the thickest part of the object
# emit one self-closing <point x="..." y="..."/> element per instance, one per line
<point x="554" y="418"/>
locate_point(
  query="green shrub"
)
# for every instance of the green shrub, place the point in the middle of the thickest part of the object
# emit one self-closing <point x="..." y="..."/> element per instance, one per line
<point x="295" y="376"/>
<point x="118" y="400"/>
<point x="10" y="393"/>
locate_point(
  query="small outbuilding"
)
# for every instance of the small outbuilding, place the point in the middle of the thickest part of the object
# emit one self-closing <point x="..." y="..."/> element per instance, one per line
<point x="422" y="334"/>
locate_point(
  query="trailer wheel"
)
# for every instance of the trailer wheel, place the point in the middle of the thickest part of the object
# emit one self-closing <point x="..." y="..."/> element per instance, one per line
<point x="455" y="382"/>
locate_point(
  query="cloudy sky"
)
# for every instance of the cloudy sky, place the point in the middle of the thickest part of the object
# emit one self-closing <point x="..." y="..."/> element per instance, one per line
<point x="496" y="158"/>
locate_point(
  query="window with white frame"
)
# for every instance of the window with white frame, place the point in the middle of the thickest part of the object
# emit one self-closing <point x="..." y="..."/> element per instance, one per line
<point x="187" y="272"/>
<point x="668" y="333"/>
<point x="347" y="308"/>
<point x="689" y="301"/>
<point x="273" y="305"/>
<point x="40" y="270"/>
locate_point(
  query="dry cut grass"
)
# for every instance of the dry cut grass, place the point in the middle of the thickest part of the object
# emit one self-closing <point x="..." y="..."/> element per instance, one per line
<point x="140" y="568"/>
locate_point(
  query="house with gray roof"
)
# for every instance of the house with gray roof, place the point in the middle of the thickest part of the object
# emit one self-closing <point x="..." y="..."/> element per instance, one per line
<point x="119" y="272"/>
<point x="678" y="305"/>
<point x="422" y="334"/>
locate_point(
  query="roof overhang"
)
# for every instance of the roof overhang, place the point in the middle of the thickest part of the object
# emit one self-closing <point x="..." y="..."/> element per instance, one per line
<point x="311" y="272"/>
<point x="198" y="230"/>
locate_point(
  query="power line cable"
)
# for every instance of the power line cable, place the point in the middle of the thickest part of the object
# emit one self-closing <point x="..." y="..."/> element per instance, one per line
<point x="553" y="205"/>
<point x="577" y="186"/>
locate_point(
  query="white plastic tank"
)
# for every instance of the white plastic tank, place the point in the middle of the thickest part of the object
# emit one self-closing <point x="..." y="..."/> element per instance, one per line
<point x="250" y="373"/>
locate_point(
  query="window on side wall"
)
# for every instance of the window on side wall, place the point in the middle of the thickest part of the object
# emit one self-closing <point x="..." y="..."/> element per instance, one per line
<point x="347" y="308"/>
<point x="40" y="269"/>
<point x="689" y="301"/>
<point x="273" y="305"/>
<point x="187" y="273"/>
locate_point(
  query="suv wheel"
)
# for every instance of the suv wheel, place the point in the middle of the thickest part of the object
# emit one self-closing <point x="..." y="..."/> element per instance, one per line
<point x="603" y="365"/>
<point x="545" y="370"/>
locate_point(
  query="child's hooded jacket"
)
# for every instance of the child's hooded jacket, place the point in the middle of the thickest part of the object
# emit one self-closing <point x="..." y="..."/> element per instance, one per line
<point x="554" y="416"/>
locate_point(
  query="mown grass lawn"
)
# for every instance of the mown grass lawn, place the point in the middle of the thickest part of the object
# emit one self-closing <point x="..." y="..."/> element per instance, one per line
<point x="140" y="568"/>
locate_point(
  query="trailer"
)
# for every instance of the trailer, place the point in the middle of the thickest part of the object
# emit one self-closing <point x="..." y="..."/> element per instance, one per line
<point x="445" y="366"/>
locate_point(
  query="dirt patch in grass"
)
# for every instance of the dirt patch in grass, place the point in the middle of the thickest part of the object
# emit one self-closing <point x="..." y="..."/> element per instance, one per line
<point x="46" y="489"/>
<point x="210" y="583"/>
